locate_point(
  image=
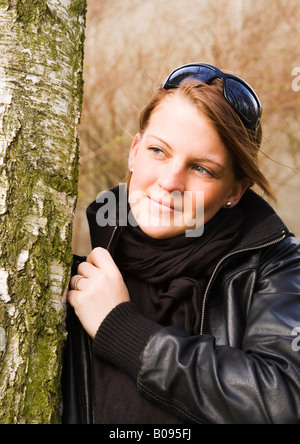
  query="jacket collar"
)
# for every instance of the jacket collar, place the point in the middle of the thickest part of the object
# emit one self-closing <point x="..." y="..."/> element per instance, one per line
<point x="261" y="223"/>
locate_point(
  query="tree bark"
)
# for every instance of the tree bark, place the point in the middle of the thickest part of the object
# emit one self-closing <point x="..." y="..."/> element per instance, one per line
<point x="41" y="54"/>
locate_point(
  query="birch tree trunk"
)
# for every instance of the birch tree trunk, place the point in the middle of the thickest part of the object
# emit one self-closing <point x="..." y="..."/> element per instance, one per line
<point x="41" y="52"/>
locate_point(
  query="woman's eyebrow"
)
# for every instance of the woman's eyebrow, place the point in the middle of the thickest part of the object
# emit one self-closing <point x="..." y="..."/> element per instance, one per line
<point x="222" y="168"/>
<point x="161" y="140"/>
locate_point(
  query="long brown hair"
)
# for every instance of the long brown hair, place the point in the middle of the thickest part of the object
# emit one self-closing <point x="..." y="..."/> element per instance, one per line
<point x="242" y="143"/>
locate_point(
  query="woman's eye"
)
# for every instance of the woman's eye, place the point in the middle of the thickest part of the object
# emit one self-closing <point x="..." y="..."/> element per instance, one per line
<point x="204" y="171"/>
<point x="156" y="151"/>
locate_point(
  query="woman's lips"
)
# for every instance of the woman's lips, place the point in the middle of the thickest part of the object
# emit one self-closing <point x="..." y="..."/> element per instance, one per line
<point x="163" y="205"/>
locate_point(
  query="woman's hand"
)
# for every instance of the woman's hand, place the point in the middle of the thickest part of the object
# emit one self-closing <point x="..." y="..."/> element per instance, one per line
<point x="98" y="292"/>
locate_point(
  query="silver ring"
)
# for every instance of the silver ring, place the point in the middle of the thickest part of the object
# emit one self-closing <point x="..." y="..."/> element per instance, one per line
<point x="76" y="282"/>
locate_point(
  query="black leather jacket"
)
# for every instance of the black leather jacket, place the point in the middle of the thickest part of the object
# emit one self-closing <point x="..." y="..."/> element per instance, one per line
<point x="244" y="367"/>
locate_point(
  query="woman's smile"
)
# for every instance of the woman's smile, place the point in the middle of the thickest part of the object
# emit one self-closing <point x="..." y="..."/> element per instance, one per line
<point x="163" y="207"/>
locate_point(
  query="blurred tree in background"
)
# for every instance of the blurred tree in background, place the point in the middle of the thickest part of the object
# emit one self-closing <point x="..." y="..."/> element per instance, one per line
<point x="132" y="45"/>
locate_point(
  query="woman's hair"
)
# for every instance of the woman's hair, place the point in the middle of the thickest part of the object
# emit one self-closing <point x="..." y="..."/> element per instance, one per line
<point x="243" y="144"/>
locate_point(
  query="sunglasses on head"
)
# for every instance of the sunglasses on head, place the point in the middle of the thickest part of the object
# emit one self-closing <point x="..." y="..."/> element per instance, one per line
<point x="237" y="92"/>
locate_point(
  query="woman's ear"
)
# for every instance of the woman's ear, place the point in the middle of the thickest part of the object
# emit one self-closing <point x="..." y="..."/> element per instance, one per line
<point x="133" y="150"/>
<point x="238" y="191"/>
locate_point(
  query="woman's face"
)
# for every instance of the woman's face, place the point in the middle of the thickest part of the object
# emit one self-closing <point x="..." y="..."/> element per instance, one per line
<point x="182" y="173"/>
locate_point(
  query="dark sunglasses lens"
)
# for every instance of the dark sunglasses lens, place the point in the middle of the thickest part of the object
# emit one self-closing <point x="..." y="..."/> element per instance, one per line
<point x="201" y="73"/>
<point x="242" y="100"/>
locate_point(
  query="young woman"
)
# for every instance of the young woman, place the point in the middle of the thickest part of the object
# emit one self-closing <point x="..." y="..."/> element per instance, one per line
<point x="173" y="323"/>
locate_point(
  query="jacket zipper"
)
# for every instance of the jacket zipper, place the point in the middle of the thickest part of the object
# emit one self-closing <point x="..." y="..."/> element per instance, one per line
<point x="276" y="241"/>
<point x="111" y="238"/>
<point x="244" y="250"/>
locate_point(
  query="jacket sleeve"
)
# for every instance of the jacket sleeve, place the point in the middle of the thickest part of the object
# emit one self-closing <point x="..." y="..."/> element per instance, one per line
<point x="204" y="382"/>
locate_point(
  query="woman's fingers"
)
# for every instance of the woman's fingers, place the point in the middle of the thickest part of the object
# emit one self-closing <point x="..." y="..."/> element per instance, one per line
<point x="87" y="269"/>
<point x="97" y="289"/>
<point x="101" y="258"/>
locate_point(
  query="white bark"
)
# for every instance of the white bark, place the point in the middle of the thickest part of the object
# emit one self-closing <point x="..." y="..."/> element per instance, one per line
<point x="41" y="51"/>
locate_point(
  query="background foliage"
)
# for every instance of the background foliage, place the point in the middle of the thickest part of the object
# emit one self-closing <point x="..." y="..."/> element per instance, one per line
<point x="131" y="46"/>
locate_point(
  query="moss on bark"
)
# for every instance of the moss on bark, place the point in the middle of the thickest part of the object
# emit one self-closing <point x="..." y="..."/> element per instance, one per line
<point x="41" y="89"/>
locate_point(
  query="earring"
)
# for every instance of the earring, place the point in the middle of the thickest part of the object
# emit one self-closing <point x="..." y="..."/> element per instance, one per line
<point x="228" y="204"/>
<point x="131" y="170"/>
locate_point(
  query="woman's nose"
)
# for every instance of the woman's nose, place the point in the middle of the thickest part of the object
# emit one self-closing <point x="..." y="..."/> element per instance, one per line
<point x="172" y="178"/>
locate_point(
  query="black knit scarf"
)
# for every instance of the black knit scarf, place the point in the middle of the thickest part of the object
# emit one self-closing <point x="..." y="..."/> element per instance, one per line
<point x="171" y="274"/>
